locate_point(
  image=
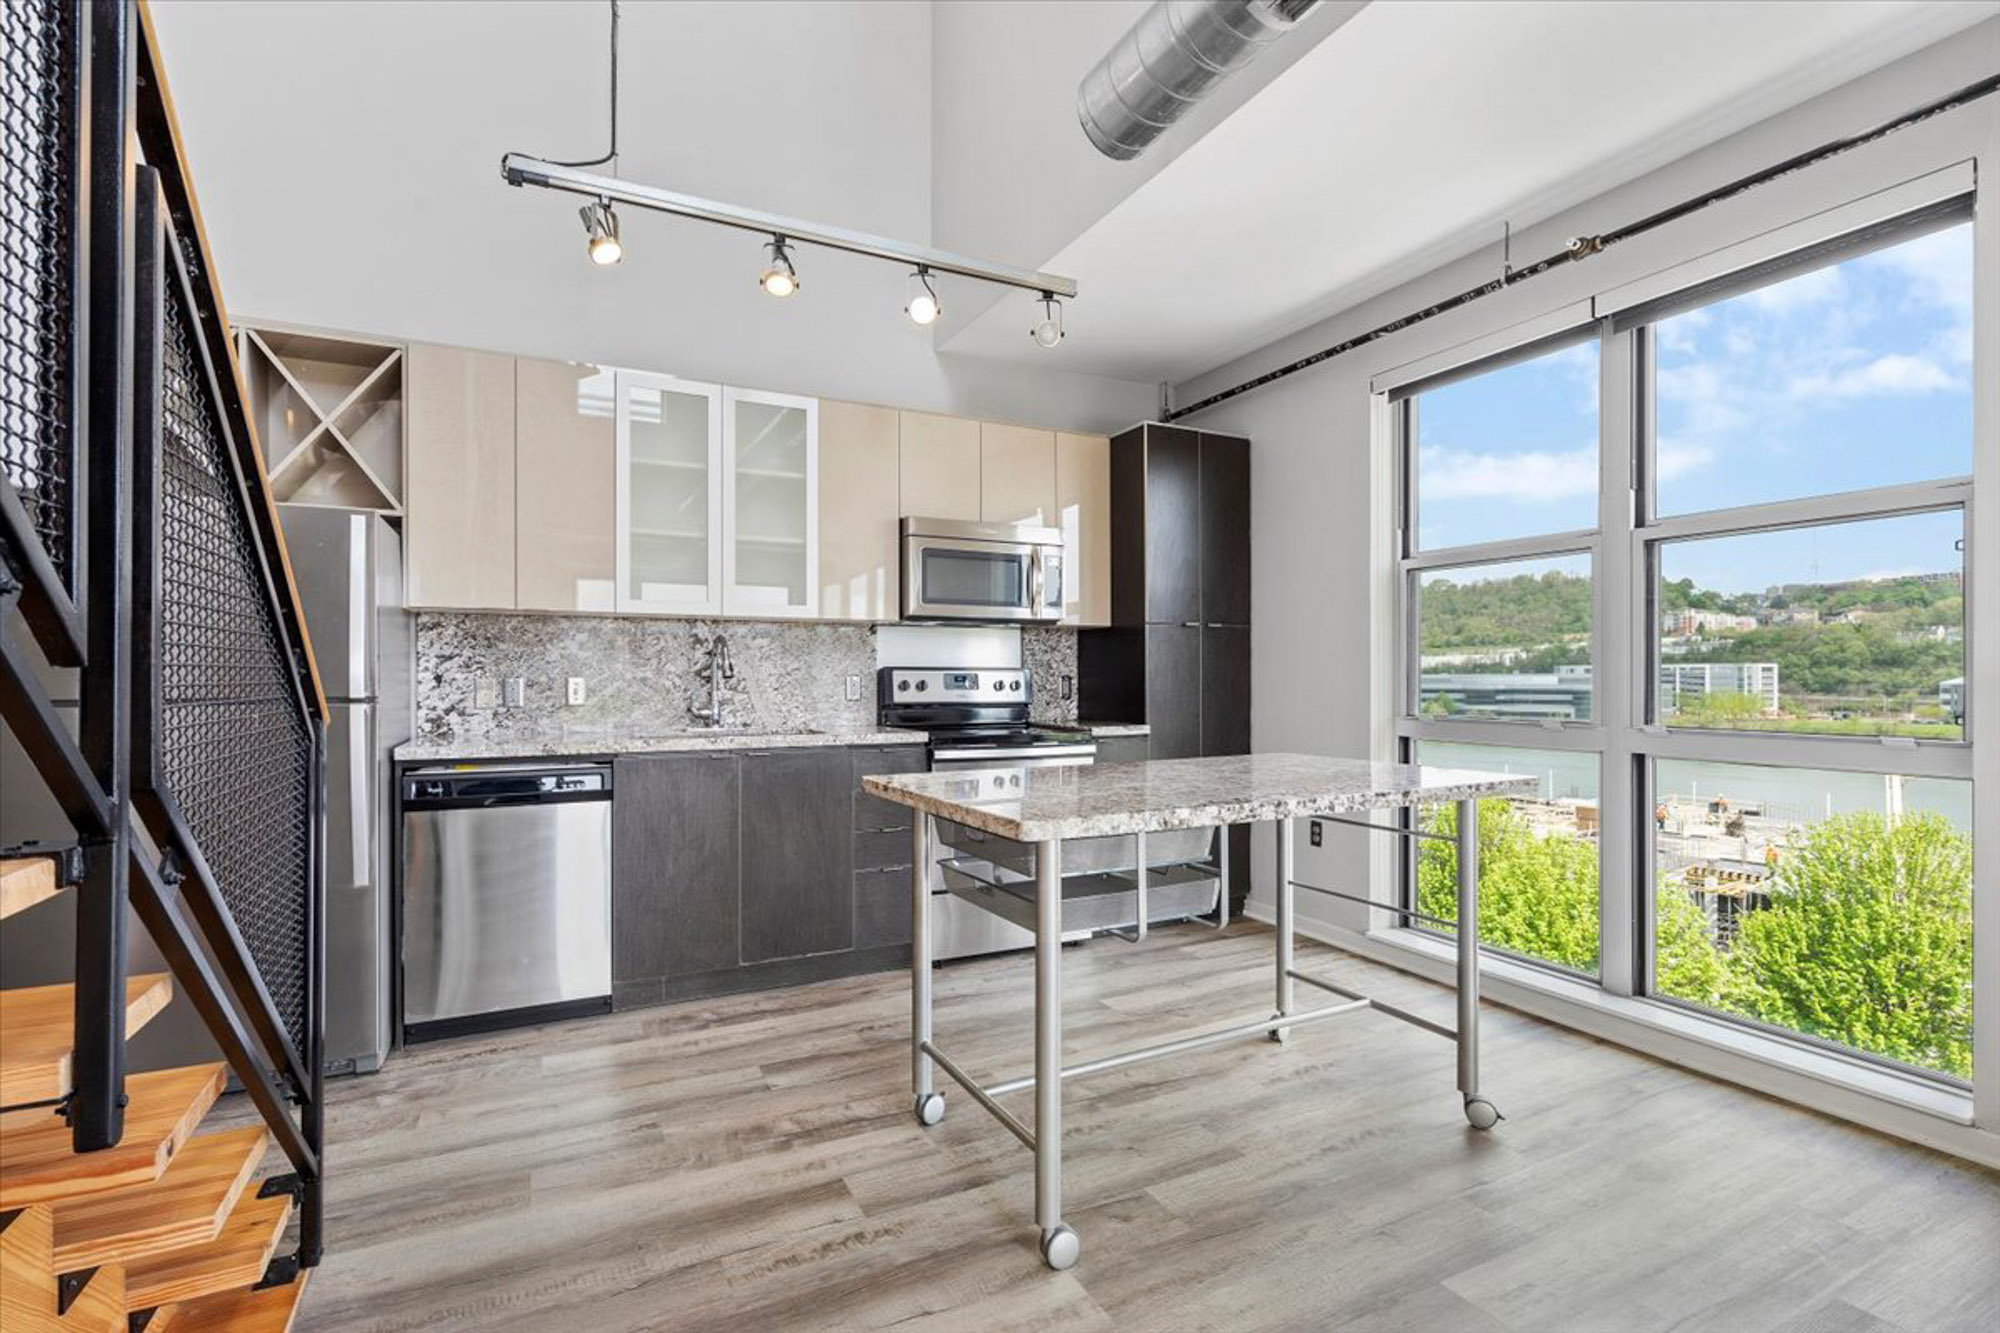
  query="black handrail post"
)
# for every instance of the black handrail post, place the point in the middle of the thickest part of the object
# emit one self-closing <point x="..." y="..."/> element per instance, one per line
<point x="96" y="1105"/>
<point x="313" y="1114"/>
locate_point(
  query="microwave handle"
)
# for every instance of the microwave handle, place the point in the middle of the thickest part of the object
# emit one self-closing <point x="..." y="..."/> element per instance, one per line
<point x="1039" y="599"/>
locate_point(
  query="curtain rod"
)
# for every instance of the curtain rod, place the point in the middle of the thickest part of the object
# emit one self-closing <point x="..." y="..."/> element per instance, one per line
<point x="1585" y="246"/>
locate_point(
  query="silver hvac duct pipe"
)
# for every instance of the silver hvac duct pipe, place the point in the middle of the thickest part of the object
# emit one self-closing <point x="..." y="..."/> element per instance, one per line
<point x="1172" y="58"/>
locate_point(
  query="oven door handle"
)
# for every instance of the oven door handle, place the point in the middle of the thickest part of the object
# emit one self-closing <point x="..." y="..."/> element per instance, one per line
<point x="1022" y="752"/>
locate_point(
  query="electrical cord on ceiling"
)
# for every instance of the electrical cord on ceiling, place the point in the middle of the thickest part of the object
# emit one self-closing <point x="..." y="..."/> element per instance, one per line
<point x="611" y="154"/>
<point x="1582" y="247"/>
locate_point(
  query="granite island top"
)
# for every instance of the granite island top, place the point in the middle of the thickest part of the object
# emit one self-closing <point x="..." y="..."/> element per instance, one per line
<point x="1033" y="804"/>
<point x="586" y="743"/>
<point x="1117" y="728"/>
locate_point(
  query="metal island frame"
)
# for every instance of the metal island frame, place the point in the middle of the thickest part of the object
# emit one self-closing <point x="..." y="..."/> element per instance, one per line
<point x="1047" y="806"/>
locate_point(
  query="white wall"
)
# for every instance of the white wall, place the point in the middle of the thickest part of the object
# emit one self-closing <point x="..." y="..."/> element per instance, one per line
<point x="1320" y="512"/>
<point x="1015" y="178"/>
<point x="347" y="159"/>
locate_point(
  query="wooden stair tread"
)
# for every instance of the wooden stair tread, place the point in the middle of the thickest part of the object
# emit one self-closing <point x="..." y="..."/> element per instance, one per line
<point x="187" y="1205"/>
<point x="235" y="1258"/>
<point x="37" y="1025"/>
<point x="271" y="1310"/>
<point x="100" y="1306"/>
<point x="27" y="1278"/>
<point x="25" y="881"/>
<point x="161" y="1112"/>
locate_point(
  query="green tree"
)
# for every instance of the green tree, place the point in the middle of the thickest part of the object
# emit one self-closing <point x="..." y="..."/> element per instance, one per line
<point x="1867" y="941"/>
<point x="1722" y="709"/>
<point x="1686" y="962"/>
<point x="1537" y="895"/>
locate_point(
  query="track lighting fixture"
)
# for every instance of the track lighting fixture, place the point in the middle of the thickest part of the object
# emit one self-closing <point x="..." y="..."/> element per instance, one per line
<point x="923" y="307"/>
<point x="595" y="179"/>
<point x="779" y="278"/>
<point x="600" y="224"/>
<point x="1048" y="330"/>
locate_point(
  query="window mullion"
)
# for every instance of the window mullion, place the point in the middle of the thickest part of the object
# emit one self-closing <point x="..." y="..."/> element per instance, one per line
<point x="1619" y="650"/>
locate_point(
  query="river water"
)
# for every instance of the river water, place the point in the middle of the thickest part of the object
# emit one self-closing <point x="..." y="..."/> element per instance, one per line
<point x="1788" y="793"/>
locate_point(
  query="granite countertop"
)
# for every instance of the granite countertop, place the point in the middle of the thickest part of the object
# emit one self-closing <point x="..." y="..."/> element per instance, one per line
<point x="1117" y="728"/>
<point x="1033" y="804"/>
<point x="610" y="742"/>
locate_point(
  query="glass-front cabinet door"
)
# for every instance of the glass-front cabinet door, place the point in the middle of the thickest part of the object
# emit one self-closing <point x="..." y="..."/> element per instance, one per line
<point x="770" y="503"/>
<point x="669" y="495"/>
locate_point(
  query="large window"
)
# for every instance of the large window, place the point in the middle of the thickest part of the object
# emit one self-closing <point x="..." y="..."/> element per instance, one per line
<point x="1735" y="650"/>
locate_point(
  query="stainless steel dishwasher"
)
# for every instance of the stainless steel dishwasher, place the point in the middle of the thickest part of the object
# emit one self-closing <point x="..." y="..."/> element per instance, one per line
<point x="506" y="896"/>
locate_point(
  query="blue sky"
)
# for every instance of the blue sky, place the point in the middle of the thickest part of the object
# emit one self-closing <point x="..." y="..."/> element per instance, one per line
<point x="1858" y="374"/>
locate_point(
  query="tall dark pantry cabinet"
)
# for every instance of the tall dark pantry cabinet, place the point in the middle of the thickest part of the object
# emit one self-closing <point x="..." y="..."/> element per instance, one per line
<point x="1177" y="653"/>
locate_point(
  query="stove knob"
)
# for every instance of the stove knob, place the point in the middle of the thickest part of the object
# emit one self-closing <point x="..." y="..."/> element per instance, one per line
<point x="1017" y="687"/>
<point x="902" y="684"/>
<point x="923" y="684"/>
<point x="998" y="686"/>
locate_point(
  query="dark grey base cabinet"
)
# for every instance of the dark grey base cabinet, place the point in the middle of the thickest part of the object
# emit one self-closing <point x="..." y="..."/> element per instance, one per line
<point x="735" y="871"/>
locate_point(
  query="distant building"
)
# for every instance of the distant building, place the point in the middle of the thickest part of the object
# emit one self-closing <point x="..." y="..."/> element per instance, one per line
<point x="1951" y="698"/>
<point x="1685" y="680"/>
<point x="1680" y="624"/>
<point x="1563" y="694"/>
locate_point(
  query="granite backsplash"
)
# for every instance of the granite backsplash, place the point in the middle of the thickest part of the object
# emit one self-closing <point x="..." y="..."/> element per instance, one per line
<point x="639" y="674"/>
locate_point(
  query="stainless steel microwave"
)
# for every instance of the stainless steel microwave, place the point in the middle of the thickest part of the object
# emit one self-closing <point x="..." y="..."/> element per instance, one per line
<point x="1006" y="572"/>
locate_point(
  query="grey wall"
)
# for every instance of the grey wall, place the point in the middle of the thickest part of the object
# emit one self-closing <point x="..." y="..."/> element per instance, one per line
<point x="347" y="157"/>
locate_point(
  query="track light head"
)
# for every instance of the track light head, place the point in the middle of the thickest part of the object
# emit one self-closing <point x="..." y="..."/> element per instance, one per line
<point x="1048" y="330"/>
<point x="600" y="224"/>
<point x="779" y="278"/>
<point x="922" y="307"/>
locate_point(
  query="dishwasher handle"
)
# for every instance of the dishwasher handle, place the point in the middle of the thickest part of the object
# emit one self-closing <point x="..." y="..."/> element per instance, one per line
<point x="475" y="789"/>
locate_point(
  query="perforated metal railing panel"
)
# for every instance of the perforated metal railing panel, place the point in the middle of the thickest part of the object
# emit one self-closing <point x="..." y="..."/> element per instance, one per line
<point x="236" y="750"/>
<point x="38" y="53"/>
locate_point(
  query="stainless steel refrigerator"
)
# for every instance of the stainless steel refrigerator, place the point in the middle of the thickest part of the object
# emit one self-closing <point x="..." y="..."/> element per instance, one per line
<point x="349" y="568"/>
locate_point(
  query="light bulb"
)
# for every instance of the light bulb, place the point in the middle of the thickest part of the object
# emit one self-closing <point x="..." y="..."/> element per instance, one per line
<point x="923" y="307"/>
<point x="779" y="278"/>
<point x="1048" y="330"/>
<point x="600" y="224"/>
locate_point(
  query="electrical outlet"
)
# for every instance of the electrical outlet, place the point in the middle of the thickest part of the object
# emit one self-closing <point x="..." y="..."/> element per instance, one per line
<point x="1315" y="834"/>
<point x="1069" y="687"/>
<point x="515" y="691"/>
<point x="485" y="692"/>
<point x="575" y="690"/>
<point x="853" y="687"/>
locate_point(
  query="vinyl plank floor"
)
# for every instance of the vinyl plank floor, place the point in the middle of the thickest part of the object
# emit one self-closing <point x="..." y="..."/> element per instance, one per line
<point x="751" y="1163"/>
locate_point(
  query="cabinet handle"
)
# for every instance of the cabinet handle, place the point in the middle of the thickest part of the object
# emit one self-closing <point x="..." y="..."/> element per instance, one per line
<point x="1190" y="624"/>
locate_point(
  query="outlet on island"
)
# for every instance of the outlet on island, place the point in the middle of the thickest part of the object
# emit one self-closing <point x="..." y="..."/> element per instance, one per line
<point x="576" y="693"/>
<point x="853" y="687"/>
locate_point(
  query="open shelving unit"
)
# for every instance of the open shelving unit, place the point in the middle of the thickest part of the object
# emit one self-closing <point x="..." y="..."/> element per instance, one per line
<point x="329" y="413"/>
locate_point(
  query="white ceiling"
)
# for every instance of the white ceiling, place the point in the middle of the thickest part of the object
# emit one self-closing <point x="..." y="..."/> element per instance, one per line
<point x="1403" y="139"/>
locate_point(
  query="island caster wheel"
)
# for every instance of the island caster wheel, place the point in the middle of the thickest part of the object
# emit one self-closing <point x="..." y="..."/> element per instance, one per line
<point x="930" y="1109"/>
<point x="1279" y="1035"/>
<point x="1480" y="1113"/>
<point x="1060" y="1248"/>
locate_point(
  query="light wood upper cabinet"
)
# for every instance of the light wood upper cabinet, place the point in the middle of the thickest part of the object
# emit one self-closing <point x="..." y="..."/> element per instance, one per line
<point x="459" y="479"/>
<point x="859" y="505"/>
<point x="940" y="467"/>
<point x="1083" y="512"/>
<point x="565" y="556"/>
<point x="1017" y="474"/>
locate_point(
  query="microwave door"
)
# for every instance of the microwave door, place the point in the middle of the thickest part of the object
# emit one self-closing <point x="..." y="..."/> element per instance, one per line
<point x="970" y="580"/>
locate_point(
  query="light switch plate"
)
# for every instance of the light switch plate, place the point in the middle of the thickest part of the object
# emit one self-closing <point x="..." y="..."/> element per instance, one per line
<point x="853" y="687"/>
<point x="485" y="692"/>
<point x="575" y="690"/>
<point x="515" y="691"/>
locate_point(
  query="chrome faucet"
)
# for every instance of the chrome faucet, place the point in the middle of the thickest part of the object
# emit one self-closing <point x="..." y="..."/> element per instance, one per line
<point x="720" y="672"/>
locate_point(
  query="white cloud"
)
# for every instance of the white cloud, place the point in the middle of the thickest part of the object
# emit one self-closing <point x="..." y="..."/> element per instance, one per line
<point x="1894" y="373"/>
<point x="1937" y="268"/>
<point x="1529" y="476"/>
<point x="1819" y="287"/>
<point x="1674" y="459"/>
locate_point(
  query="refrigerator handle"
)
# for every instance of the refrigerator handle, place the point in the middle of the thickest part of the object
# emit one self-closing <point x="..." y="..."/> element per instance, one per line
<point x="361" y="801"/>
